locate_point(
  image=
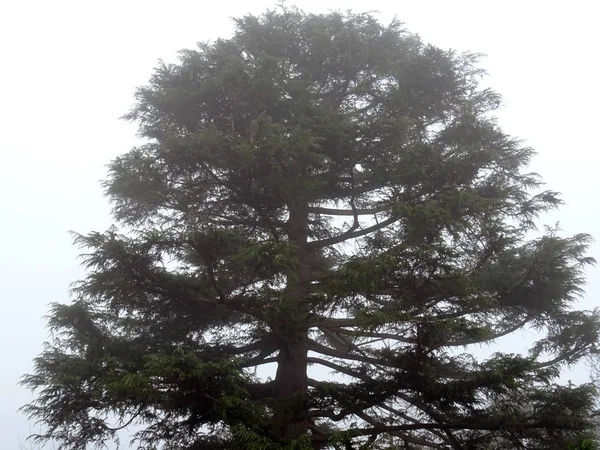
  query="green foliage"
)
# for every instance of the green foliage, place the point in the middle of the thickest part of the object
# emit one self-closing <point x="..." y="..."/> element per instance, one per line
<point x="320" y="191"/>
<point x="584" y="444"/>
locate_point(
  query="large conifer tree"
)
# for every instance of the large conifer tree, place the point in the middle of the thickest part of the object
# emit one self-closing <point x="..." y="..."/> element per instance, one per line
<point x="331" y="196"/>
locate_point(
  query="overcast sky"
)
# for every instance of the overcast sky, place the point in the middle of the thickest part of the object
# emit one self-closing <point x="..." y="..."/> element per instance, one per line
<point x="69" y="69"/>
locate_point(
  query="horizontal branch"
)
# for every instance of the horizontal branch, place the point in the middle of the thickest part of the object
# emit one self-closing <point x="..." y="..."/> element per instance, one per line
<point x="346" y="212"/>
<point x="448" y="343"/>
<point x="331" y="323"/>
<point x="469" y="425"/>
<point x="255" y="362"/>
<point x="336" y="417"/>
<point x="327" y="322"/>
<point x="259" y="391"/>
<point x="233" y="350"/>
<point x="351" y="235"/>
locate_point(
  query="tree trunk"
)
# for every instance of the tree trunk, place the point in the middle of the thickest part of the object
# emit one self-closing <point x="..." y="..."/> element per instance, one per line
<point x="291" y="383"/>
<point x="291" y="379"/>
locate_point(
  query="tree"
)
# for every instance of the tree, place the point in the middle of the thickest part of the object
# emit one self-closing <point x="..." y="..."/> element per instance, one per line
<point x="323" y="193"/>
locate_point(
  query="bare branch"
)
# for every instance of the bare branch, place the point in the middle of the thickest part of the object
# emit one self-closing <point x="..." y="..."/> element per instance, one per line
<point x="351" y="234"/>
<point x="346" y="212"/>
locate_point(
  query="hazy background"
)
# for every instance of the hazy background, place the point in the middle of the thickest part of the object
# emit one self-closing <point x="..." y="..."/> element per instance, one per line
<point x="68" y="70"/>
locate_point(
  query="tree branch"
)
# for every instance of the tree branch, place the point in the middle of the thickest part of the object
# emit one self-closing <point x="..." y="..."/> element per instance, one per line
<point x="405" y="437"/>
<point x="429" y="410"/>
<point x="255" y="362"/>
<point x="351" y="234"/>
<point x="327" y="322"/>
<point x="412" y="420"/>
<point x="346" y="212"/>
<point x="327" y="351"/>
<point x="444" y="426"/>
<point x="559" y="359"/>
<point x="447" y="343"/>
<point x="337" y="367"/>
<point x="336" y="417"/>
<point x="232" y="350"/>
<point x="258" y="391"/>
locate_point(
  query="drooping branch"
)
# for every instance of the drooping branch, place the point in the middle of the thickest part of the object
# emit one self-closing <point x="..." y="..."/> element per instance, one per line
<point x="129" y="422"/>
<point x="560" y="358"/>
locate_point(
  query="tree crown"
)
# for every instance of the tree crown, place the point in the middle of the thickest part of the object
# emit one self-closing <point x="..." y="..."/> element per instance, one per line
<point x="320" y="191"/>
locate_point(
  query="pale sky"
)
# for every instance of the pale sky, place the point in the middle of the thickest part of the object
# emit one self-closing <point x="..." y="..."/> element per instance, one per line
<point x="69" y="69"/>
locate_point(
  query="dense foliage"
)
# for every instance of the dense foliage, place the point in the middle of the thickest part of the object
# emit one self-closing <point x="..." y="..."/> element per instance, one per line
<point x="333" y="197"/>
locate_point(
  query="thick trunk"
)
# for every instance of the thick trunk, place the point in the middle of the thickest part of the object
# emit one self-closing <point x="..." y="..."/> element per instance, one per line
<point x="291" y="379"/>
<point x="291" y="383"/>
